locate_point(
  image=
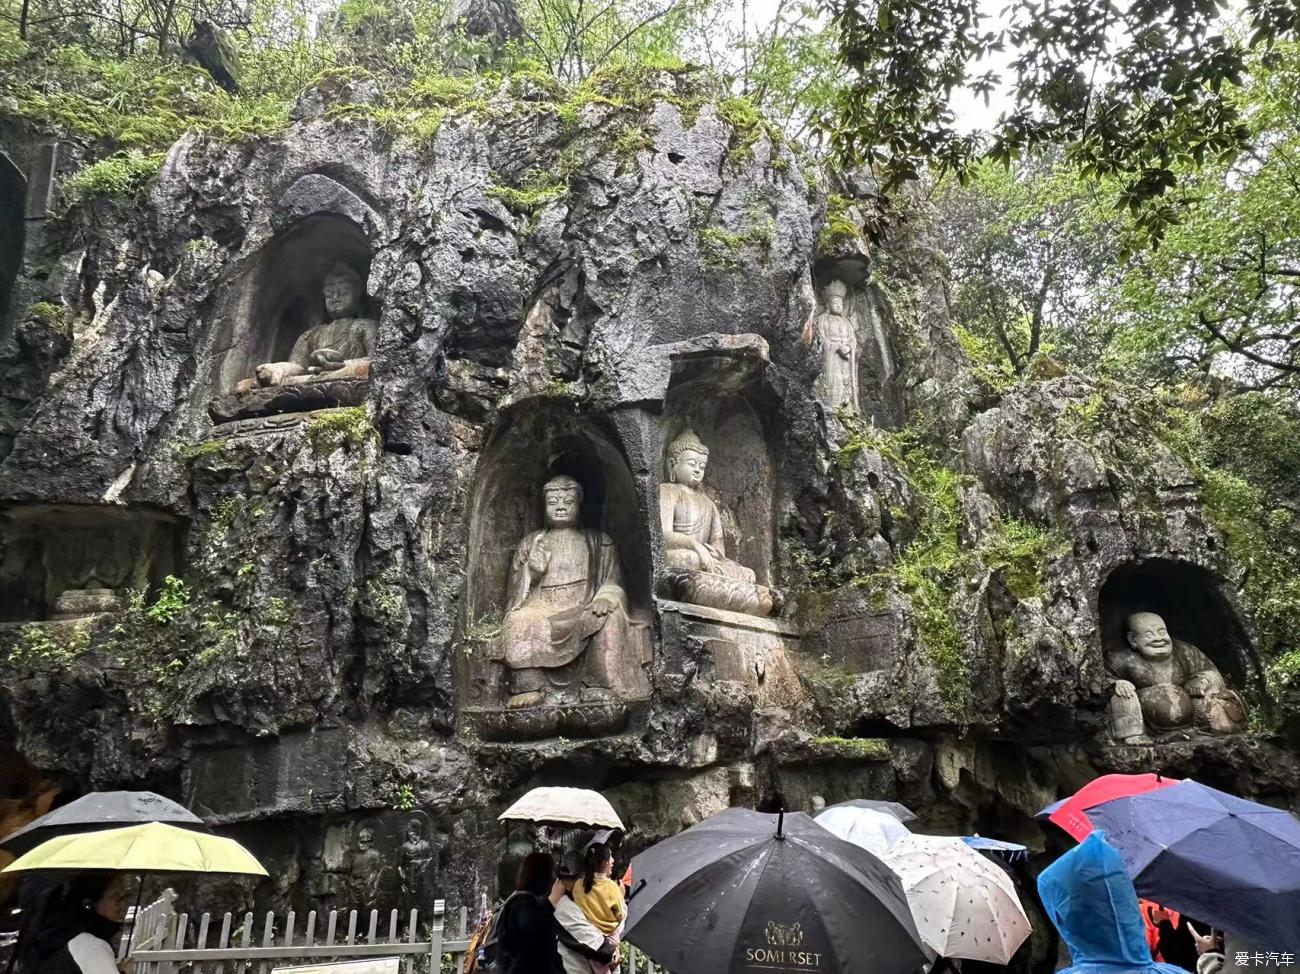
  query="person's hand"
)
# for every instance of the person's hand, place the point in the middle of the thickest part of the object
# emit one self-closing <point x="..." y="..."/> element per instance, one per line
<point x="1125" y="690"/>
<point x="1205" y="942"/>
<point x="557" y="893"/>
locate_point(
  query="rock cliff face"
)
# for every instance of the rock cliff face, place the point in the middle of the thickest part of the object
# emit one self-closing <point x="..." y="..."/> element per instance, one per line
<point x="559" y="287"/>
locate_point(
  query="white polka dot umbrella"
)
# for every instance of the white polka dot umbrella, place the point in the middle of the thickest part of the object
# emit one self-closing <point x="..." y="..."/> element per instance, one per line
<point x="964" y="905"/>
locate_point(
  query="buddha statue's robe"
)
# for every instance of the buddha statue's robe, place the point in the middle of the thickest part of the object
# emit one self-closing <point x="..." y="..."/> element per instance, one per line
<point x="338" y="349"/>
<point x="551" y="635"/>
<point x="837" y="384"/>
<point x="1182" y="691"/>
<point x="689" y="515"/>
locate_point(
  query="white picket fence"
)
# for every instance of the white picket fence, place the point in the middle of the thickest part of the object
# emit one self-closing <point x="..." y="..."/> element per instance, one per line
<point x="165" y="942"/>
<point x="226" y="945"/>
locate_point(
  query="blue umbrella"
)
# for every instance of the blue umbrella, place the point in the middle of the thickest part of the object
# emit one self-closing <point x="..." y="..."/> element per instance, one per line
<point x="1012" y="850"/>
<point x="1046" y="813"/>
<point x="1222" y="859"/>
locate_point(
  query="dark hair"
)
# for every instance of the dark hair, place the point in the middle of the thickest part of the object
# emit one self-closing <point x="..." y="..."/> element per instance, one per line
<point x="55" y="908"/>
<point x="536" y="873"/>
<point x="592" y="861"/>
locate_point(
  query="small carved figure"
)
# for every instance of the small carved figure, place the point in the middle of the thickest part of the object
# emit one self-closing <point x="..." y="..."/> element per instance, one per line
<point x="693" y="539"/>
<point x="1163" y="684"/>
<point x="837" y="385"/>
<point x="415" y="868"/>
<point x="567" y="632"/>
<point x="367" y="869"/>
<point x="338" y="349"/>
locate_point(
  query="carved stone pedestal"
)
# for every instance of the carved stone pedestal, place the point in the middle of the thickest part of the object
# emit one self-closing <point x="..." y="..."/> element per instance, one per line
<point x="741" y="648"/>
<point x="723" y="593"/>
<point x="83" y="603"/>
<point x="300" y="398"/>
<point x="578" y="720"/>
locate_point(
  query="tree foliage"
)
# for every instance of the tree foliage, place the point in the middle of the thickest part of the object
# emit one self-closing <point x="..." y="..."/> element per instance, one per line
<point x="1133" y="91"/>
<point x="1039" y="252"/>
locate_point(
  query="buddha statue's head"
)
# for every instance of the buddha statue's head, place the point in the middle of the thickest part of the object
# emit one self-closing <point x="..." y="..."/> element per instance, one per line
<point x="1149" y="637"/>
<point x="687" y="458"/>
<point x="834" y="294"/>
<point x="563" y="498"/>
<point x="342" y="289"/>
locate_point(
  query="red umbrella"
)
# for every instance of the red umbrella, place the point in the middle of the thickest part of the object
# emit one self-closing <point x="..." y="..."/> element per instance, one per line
<point x="1070" y="815"/>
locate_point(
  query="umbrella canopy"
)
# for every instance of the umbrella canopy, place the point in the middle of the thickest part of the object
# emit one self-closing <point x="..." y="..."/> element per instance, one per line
<point x="1089" y="898"/>
<point x="866" y="828"/>
<point x="964" y="905"/>
<point x="744" y="891"/>
<point x="564" y="806"/>
<point x="896" y="809"/>
<point x="100" y="810"/>
<point x="150" y="848"/>
<point x="1070" y="815"/>
<point x="1222" y="859"/>
<point x="1046" y="813"/>
<point x="1010" y="850"/>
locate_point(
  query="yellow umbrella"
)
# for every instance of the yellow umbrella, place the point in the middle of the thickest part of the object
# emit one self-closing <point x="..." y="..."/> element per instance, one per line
<point x="149" y="848"/>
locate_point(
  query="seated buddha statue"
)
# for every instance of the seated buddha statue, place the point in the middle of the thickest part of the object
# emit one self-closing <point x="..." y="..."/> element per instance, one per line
<point x="567" y="636"/>
<point x="1163" y="684"/>
<point x="695" y="549"/>
<point x="340" y="348"/>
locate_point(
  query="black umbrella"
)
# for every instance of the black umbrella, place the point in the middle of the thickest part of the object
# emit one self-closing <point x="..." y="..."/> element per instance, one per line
<point x="896" y="809"/>
<point x="101" y="810"/>
<point x="744" y="891"/>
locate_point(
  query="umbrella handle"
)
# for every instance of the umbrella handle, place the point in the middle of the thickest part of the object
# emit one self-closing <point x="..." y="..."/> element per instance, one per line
<point x="636" y="889"/>
<point x="780" y="821"/>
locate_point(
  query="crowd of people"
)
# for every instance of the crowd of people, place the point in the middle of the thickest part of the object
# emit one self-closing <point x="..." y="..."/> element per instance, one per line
<point x="562" y="918"/>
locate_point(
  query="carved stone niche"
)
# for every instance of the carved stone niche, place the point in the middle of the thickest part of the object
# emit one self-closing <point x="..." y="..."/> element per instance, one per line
<point x="853" y="325"/>
<point x="299" y="328"/>
<point x="62" y="562"/>
<point x="539" y="658"/>
<point x="13" y="196"/>
<point x="1174" y="649"/>
<point x="717" y="599"/>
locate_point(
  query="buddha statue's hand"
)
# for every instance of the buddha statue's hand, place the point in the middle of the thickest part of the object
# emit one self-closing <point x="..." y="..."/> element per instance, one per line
<point x="539" y="557"/>
<point x="843" y="352"/>
<point x="705" y="557"/>
<point x="1125" y="690"/>
<point x="327" y="358"/>
<point x="603" y="605"/>
<point x="1204" y="683"/>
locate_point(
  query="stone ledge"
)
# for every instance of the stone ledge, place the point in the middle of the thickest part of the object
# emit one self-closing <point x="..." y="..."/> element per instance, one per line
<point x="539" y="723"/>
<point x="300" y="398"/>
<point x="735" y="620"/>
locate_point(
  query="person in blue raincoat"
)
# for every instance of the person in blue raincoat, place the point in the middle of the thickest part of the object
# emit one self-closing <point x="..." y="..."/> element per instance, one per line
<point x="1091" y="900"/>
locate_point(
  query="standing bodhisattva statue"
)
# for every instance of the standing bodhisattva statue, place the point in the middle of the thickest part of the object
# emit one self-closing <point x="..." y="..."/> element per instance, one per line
<point x="566" y="632"/>
<point x="1163" y="684"/>
<point x="692" y="530"/>
<point x="837" y="385"/>
<point x="338" y="349"/>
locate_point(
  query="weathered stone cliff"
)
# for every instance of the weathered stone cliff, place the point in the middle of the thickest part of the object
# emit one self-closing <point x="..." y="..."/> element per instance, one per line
<point x="559" y="286"/>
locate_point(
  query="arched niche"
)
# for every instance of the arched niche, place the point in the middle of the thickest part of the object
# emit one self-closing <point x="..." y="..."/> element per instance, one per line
<point x="280" y="296"/>
<point x="739" y="477"/>
<point x="49" y="553"/>
<point x="13" y="229"/>
<point x="1190" y="600"/>
<point x="538" y="440"/>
